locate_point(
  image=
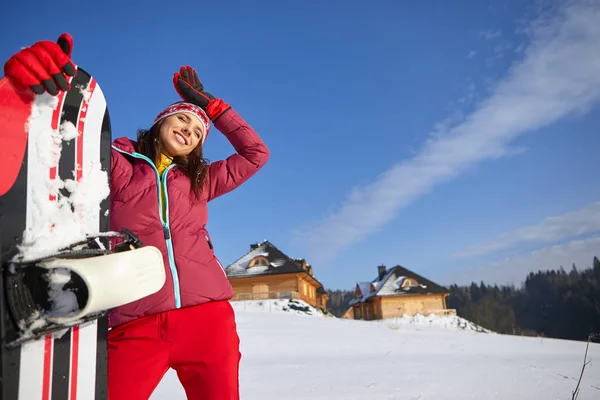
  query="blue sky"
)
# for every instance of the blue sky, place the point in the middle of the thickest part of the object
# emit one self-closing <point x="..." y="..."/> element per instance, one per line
<point x="459" y="139"/>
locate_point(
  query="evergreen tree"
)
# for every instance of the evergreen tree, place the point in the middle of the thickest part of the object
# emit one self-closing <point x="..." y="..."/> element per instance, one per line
<point x="552" y="303"/>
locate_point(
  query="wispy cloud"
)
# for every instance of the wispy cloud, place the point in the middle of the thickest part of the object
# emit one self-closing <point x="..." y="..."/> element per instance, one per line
<point x="500" y="50"/>
<point x="471" y="54"/>
<point x="552" y="229"/>
<point x="490" y="34"/>
<point x="558" y="74"/>
<point x="514" y="270"/>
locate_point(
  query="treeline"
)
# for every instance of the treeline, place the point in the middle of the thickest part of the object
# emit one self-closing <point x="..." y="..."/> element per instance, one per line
<point x="337" y="303"/>
<point x="553" y="303"/>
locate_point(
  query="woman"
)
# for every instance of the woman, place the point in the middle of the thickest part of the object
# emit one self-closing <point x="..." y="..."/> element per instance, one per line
<point x="160" y="187"/>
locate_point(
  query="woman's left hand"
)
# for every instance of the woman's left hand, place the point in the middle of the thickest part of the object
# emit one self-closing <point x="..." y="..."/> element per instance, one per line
<point x="191" y="89"/>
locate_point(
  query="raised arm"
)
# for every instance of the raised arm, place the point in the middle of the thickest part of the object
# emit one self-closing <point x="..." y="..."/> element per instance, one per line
<point x="251" y="155"/>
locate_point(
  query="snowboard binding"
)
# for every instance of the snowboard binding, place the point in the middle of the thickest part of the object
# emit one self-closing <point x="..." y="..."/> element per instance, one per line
<point x="77" y="284"/>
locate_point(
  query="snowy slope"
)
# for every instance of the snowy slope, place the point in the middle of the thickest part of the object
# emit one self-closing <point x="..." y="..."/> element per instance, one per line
<point x="295" y="356"/>
<point x="289" y="306"/>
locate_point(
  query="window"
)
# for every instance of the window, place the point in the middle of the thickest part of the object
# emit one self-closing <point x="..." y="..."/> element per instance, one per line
<point x="409" y="282"/>
<point x="258" y="261"/>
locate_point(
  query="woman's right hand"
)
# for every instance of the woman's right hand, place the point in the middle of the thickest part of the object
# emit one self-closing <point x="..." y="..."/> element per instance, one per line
<point x="43" y="67"/>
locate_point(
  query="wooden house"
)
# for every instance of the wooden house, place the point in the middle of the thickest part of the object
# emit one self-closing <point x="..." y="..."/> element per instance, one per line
<point x="267" y="273"/>
<point x="395" y="292"/>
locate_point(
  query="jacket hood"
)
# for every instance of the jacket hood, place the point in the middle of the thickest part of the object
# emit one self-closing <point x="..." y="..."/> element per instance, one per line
<point x="125" y="144"/>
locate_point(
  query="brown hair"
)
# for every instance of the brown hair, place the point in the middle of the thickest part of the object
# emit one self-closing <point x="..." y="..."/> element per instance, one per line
<point x="194" y="164"/>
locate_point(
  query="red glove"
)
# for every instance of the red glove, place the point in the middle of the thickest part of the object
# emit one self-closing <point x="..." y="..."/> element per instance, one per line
<point x="190" y="89"/>
<point x="43" y="67"/>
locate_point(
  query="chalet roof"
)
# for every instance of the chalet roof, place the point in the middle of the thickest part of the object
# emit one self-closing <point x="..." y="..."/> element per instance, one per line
<point x="389" y="283"/>
<point x="364" y="287"/>
<point x="278" y="262"/>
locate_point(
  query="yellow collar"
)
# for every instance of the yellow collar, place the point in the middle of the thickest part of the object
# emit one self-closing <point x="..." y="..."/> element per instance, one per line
<point x="165" y="159"/>
<point x="164" y="162"/>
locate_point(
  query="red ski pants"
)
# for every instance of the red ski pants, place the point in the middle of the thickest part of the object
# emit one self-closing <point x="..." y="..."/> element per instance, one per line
<point x="200" y="343"/>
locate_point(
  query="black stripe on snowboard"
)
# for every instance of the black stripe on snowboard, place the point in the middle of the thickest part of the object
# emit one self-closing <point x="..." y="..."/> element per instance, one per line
<point x="102" y="341"/>
<point x="102" y="360"/>
<point x="13" y="214"/>
<point x="66" y="170"/>
<point x="105" y="157"/>
<point x="70" y="113"/>
<point x="60" y="367"/>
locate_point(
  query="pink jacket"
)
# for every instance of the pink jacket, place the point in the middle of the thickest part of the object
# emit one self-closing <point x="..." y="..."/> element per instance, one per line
<point x="194" y="274"/>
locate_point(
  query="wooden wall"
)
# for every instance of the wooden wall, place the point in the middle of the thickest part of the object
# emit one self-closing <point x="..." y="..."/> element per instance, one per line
<point x="298" y="285"/>
<point x="389" y="307"/>
<point x="267" y="283"/>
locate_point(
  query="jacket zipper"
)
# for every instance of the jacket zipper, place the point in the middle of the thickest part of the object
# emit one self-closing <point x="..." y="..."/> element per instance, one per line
<point x="167" y="229"/>
<point x="164" y="222"/>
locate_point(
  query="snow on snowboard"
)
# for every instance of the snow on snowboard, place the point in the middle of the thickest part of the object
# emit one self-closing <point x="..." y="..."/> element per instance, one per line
<point x="62" y="268"/>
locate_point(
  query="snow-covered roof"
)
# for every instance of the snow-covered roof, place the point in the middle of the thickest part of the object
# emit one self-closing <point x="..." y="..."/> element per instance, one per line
<point x="391" y="284"/>
<point x="365" y="292"/>
<point x="365" y="287"/>
<point x="276" y="262"/>
<point x="241" y="264"/>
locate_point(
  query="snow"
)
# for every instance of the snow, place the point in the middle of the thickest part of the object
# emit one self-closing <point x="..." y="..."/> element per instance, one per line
<point x="365" y="290"/>
<point x="85" y="92"/>
<point x="63" y="301"/>
<point x="68" y="130"/>
<point x="291" y="306"/>
<point x="391" y="287"/>
<point x="378" y="284"/>
<point x="381" y="288"/>
<point x="87" y="194"/>
<point x="46" y="138"/>
<point x="242" y="264"/>
<point x="277" y="263"/>
<point x="58" y="223"/>
<point x="432" y="321"/>
<point x="289" y="356"/>
<point x="398" y="282"/>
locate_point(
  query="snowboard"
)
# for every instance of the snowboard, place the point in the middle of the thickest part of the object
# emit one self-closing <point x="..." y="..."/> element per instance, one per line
<point x="62" y="269"/>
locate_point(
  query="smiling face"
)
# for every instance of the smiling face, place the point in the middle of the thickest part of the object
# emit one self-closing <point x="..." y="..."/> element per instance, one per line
<point x="180" y="133"/>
